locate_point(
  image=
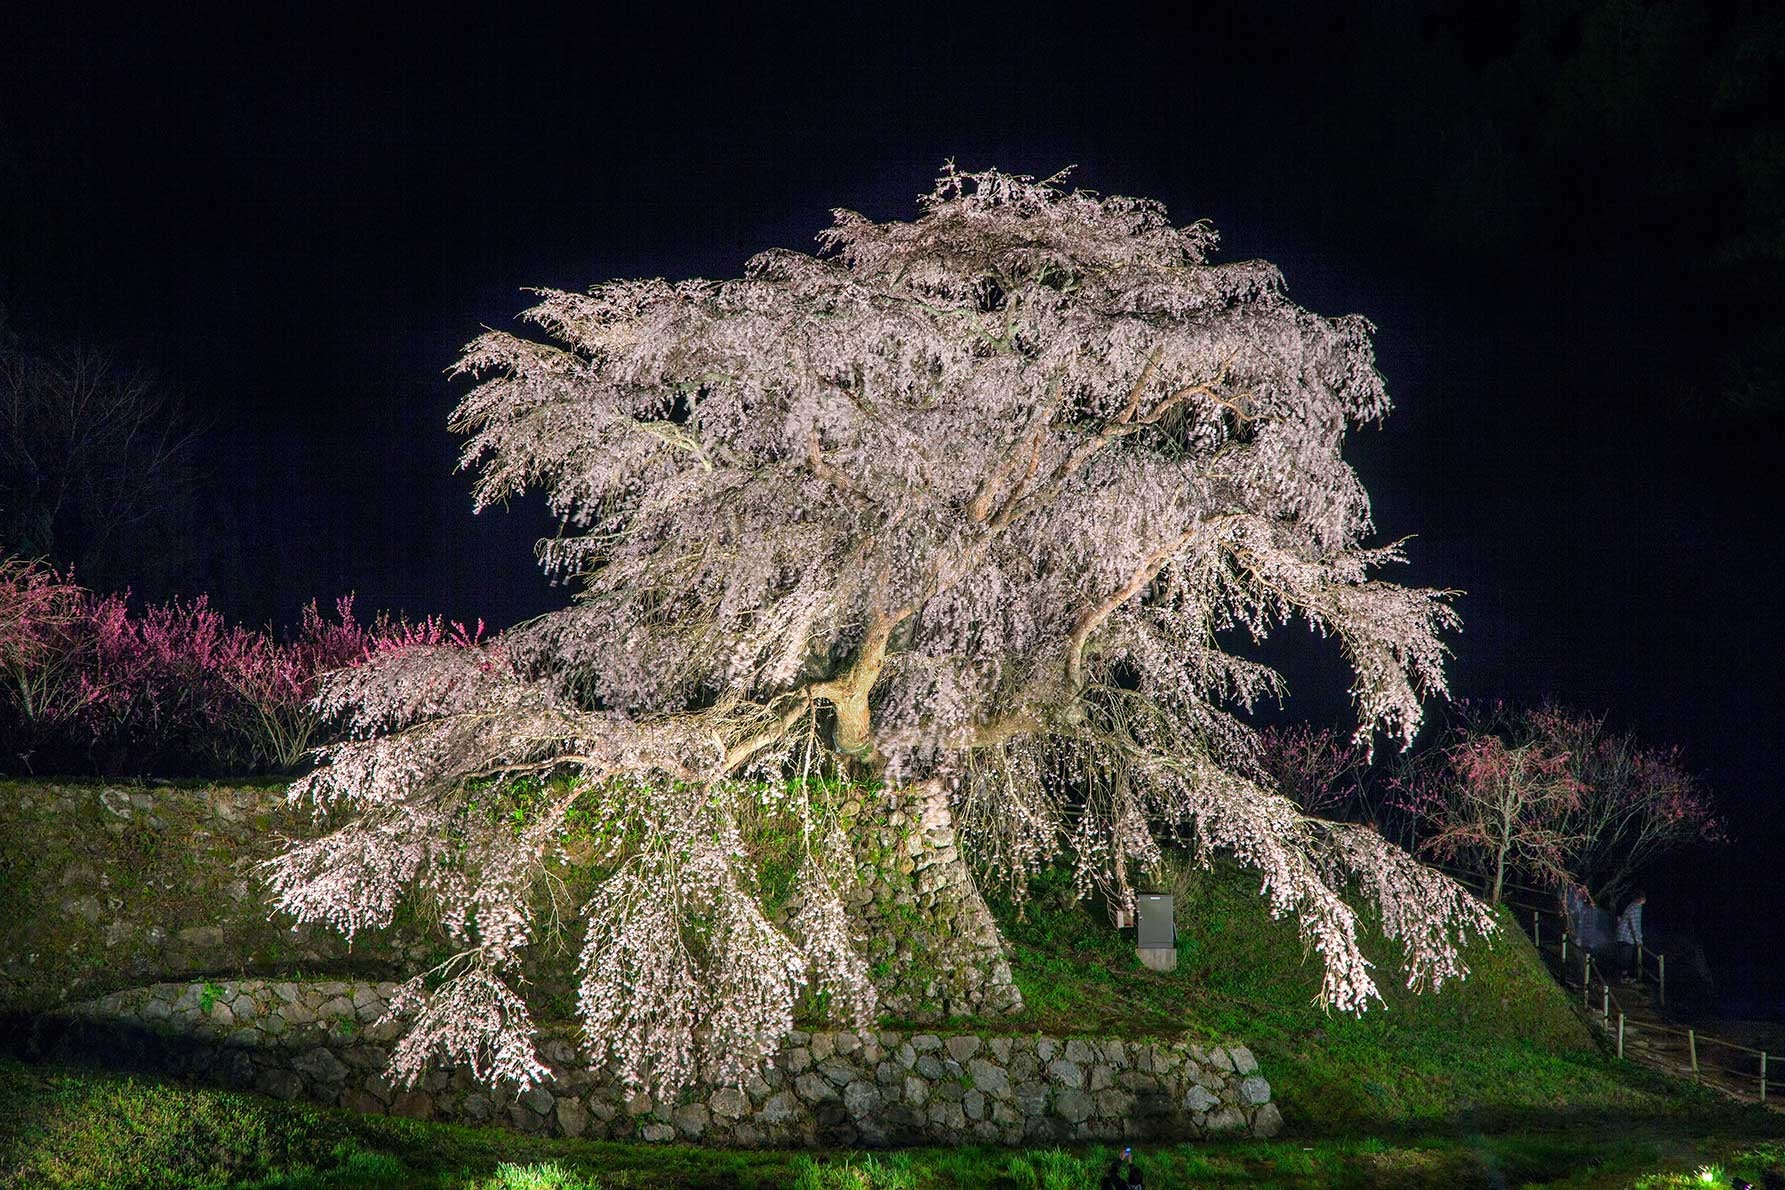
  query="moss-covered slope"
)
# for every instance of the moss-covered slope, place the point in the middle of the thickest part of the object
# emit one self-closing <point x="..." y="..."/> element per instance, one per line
<point x="103" y="888"/>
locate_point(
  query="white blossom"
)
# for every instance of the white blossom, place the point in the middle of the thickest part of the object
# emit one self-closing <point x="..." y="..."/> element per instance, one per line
<point x="989" y="501"/>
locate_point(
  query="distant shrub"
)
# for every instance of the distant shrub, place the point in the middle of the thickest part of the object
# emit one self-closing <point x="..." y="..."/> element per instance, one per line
<point x="88" y="681"/>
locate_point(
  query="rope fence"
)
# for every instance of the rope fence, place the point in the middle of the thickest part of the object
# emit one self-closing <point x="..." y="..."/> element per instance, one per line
<point x="1740" y="1070"/>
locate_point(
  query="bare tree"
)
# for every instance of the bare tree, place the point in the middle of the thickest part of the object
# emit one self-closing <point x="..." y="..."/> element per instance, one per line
<point x="958" y="510"/>
<point x="95" y="457"/>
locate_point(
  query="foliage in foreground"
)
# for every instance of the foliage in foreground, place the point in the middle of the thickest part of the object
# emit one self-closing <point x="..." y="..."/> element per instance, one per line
<point x="1491" y="1081"/>
<point x="74" y="1130"/>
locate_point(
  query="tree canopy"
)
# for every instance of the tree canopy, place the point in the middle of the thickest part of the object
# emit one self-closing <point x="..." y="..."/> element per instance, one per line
<point x="985" y="506"/>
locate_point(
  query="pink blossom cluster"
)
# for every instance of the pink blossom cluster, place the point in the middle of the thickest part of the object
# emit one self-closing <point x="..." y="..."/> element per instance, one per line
<point x="92" y="680"/>
<point x="1551" y="796"/>
<point x="1316" y="768"/>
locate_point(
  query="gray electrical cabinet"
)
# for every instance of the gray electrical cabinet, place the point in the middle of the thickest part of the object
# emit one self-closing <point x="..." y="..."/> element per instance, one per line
<point x="1156" y="931"/>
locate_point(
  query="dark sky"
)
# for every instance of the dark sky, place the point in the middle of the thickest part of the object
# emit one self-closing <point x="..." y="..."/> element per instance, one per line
<point x="1567" y="220"/>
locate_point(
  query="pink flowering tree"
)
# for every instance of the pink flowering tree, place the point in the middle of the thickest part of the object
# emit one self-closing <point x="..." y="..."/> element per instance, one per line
<point x="274" y="682"/>
<point x="1497" y="808"/>
<point x="42" y="651"/>
<point x="1635" y="803"/>
<point x="963" y="510"/>
<point x="172" y="687"/>
<point x="1317" y="768"/>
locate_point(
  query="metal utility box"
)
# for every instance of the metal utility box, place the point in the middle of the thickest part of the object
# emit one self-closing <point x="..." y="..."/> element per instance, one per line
<point x="1156" y="931"/>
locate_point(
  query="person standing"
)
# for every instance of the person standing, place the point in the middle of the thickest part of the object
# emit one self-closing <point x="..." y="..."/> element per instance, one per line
<point x="1577" y="903"/>
<point x="1123" y="1174"/>
<point x="1630" y="934"/>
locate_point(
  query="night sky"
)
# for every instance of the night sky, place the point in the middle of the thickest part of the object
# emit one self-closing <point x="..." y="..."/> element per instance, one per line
<point x="1567" y="220"/>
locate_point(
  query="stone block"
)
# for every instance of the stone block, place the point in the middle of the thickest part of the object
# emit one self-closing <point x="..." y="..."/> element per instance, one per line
<point x="1255" y="1090"/>
<point x="1115" y="1104"/>
<point x="416" y="1105"/>
<point x="1073" y="1106"/>
<point x="962" y="1047"/>
<point x="988" y="1076"/>
<point x="1200" y="1099"/>
<point x="1066" y="1074"/>
<point x="321" y="1065"/>
<point x="691" y="1120"/>
<point x="839" y="1073"/>
<point x="1227" y="1119"/>
<point x="949" y="1117"/>
<point x="813" y="1089"/>
<point x="779" y="1109"/>
<point x="861" y="1100"/>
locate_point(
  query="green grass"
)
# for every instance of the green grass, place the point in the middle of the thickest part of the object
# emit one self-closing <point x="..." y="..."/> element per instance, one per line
<point x="1500" y="1050"/>
<point x="1494" y="1080"/>
<point x="65" y="1129"/>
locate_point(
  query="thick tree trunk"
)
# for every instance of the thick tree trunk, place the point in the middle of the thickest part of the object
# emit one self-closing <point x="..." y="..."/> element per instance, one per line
<point x="933" y="947"/>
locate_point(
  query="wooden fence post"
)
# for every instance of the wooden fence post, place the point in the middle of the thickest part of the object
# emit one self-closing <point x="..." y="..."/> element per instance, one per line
<point x="1604" y="1002"/>
<point x="1763" y="1076"/>
<point x="1621" y="1048"/>
<point x="1661" y="962"/>
<point x="1564" y="956"/>
<point x="1586" y="982"/>
<point x="1692" y="1048"/>
<point x="1536" y="931"/>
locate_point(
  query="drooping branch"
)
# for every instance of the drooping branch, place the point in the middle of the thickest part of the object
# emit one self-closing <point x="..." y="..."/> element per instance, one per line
<point x="1092" y="617"/>
<point x="925" y="506"/>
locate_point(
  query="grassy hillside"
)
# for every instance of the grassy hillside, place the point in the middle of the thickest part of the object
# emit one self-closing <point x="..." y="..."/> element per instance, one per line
<point x="1496" y="1079"/>
<point x="1502" y="1047"/>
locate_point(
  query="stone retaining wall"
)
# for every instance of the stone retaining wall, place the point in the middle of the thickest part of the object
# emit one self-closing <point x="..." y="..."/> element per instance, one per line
<point x="326" y="1041"/>
<point x="105" y="887"/>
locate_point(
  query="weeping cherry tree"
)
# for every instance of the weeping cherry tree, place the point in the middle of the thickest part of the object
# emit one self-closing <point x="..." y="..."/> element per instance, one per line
<point x="977" y="512"/>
